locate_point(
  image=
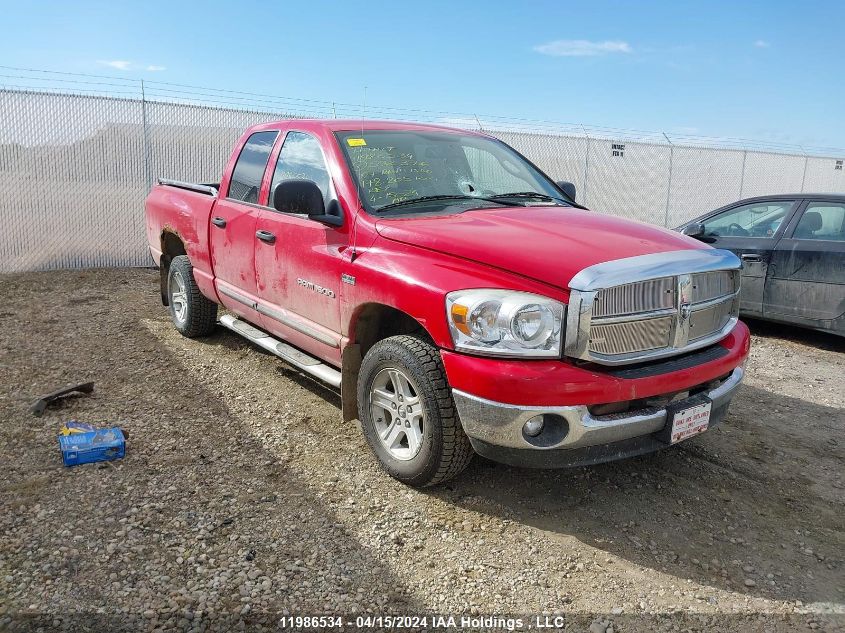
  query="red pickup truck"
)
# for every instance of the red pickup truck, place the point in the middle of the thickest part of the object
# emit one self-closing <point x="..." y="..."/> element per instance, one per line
<point x="461" y="300"/>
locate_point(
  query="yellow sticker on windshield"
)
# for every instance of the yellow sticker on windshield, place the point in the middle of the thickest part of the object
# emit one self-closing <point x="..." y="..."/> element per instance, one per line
<point x="355" y="142"/>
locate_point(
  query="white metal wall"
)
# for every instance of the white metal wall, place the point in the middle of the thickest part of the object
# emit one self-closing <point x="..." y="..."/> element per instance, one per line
<point x="74" y="171"/>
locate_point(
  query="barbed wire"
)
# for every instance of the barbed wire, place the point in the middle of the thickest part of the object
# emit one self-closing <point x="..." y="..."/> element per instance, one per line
<point x="88" y="84"/>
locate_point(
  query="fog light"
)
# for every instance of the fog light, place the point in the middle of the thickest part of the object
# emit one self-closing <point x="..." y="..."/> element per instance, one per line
<point x="534" y="426"/>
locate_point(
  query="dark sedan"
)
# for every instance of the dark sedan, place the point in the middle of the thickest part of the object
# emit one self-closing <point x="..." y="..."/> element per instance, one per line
<point x="793" y="256"/>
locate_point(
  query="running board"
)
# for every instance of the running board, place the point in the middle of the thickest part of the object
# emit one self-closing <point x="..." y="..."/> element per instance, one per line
<point x="287" y="353"/>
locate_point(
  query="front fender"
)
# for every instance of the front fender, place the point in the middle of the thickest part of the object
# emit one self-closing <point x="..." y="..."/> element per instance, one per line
<point x="416" y="281"/>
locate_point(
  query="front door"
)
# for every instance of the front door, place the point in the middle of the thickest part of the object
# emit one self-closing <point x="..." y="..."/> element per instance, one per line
<point x="298" y="265"/>
<point x="232" y="225"/>
<point x="751" y="231"/>
<point x="806" y="279"/>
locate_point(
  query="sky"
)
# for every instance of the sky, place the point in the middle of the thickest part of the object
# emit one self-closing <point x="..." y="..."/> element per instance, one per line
<point x="770" y="71"/>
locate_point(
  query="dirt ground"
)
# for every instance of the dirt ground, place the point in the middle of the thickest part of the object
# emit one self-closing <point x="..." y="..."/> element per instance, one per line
<point x="243" y="497"/>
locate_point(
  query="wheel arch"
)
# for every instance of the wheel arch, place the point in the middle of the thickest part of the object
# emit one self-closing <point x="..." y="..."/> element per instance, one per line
<point x="370" y="323"/>
<point x="171" y="246"/>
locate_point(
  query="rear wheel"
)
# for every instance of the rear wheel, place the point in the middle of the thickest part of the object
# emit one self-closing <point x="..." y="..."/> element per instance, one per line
<point x="407" y="413"/>
<point x="192" y="314"/>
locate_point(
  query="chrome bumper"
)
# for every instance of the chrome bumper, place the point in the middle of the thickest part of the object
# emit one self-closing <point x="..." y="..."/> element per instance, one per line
<point x="501" y="424"/>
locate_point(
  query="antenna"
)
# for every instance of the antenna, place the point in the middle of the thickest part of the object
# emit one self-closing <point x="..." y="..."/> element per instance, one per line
<point x="363" y="110"/>
<point x="354" y="236"/>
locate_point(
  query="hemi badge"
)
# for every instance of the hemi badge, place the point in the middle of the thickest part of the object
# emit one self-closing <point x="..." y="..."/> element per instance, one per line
<point x="347" y="279"/>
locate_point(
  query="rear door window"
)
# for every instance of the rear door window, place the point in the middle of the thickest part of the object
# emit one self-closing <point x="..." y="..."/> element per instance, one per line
<point x="249" y="169"/>
<point x="822" y="221"/>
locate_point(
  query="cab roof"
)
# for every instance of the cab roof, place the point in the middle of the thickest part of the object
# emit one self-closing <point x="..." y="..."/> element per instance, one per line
<point x="345" y="125"/>
<point x="791" y="196"/>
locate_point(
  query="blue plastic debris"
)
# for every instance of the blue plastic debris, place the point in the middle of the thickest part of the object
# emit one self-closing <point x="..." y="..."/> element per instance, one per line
<point x="94" y="446"/>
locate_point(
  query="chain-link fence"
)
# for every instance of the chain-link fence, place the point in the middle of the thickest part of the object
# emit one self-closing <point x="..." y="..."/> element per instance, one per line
<point x="668" y="183"/>
<point x="75" y="169"/>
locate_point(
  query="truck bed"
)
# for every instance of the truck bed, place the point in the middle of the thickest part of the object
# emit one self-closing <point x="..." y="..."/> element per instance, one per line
<point x="183" y="210"/>
<point x="210" y="189"/>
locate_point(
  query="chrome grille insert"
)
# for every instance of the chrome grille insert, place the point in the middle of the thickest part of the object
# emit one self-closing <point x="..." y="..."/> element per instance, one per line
<point x="631" y="336"/>
<point x="707" y="320"/>
<point x="652" y="306"/>
<point x="707" y="286"/>
<point x="642" y="296"/>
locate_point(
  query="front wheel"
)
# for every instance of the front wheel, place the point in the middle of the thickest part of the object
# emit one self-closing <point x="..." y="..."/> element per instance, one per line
<point x="407" y="413"/>
<point x="192" y="314"/>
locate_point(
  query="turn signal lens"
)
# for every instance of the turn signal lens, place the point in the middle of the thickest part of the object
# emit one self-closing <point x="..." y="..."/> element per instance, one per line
<point x="459" y="317"/>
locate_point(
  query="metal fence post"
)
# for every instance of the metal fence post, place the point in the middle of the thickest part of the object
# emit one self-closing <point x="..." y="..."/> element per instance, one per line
<point x="804" y="175"/>
<point x="742" y="175"/>
<point x="146" y="129"/>
<point x="669" y="184"/>
<point x="586" y="163"/>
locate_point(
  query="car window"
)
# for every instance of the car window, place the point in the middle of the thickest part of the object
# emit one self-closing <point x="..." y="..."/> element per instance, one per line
<point x="822" y="221"/>
<point x="494" y="173"/>
<point x="249" y="169"/>
<point x="758" y="219"/>
<point x="396" y="166"/>
<point x="301" y="159"/>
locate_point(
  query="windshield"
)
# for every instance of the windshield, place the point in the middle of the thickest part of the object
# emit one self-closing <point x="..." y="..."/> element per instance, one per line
<point x="411" y="171"/>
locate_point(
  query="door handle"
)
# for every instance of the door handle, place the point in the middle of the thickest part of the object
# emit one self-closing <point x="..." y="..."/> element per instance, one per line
<point x="265" y="236"/>
<point x="218" y="221"/>
<point x="751" y="257"/>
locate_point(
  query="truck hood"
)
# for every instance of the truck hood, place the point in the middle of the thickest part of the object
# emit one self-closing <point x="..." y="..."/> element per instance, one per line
<point x="549" y="244"/>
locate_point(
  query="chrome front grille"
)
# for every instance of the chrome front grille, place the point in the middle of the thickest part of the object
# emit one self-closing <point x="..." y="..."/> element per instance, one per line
<point x="615" y="318"/>
<point x="644" y="314"/>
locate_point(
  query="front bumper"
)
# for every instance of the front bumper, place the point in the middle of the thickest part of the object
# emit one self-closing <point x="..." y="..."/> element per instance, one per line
<point x="496" y="429"/>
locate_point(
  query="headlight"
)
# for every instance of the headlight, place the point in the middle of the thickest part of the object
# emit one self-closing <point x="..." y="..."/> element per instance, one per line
<point x="505" y="323"/>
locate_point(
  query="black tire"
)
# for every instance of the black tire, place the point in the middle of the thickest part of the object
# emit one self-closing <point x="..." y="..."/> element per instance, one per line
<point x="200" y="314"/>
<point x="445" y="449"/>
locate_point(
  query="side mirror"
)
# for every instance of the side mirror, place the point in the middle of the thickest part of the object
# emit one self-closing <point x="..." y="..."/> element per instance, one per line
<point x="299" y="196"/>
<point x="696" y="229"/>
<point x="568" y="188"/>
<point x="304" y="196"/>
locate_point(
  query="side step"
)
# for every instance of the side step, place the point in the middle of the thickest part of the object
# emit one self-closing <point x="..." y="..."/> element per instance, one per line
<point x="287" y="353"/>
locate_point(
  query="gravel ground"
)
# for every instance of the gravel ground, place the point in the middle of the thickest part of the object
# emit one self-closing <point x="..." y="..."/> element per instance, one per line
<point x="243" y="497"/>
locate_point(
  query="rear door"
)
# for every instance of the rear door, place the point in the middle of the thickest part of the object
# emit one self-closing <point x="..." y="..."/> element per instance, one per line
<point x="806" y="280"/>
<point x="232" y="228"/>
<point x="298" y="268"/>
<point x="751" y="231"/>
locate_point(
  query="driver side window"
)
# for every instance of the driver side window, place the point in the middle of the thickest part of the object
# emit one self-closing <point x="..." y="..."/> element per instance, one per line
<point x="758" y="219"/>
<point x="301" y="159"/>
